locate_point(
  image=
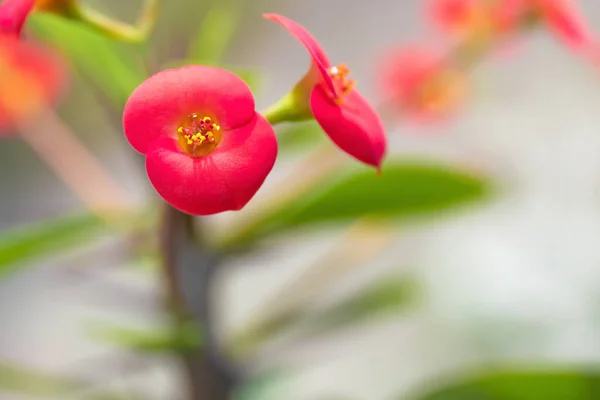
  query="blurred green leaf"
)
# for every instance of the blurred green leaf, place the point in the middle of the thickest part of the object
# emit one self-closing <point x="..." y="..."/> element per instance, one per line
<point x="252" y="77"/>
<point x="27" y="381"/>
<point x="15" y="379"/>
<point x="385" y="297"/>
<point x="404" y="189"/>
<point x="25" y="244"/>
<point x="388" y="296"/>
<point x="546" y="384"/>
<point x="186" y="338"/>
<point x="299" y="135"/>
<point x="216" y="30"/>
<point x="263" y="386"/>
<point x="115" y="68"/>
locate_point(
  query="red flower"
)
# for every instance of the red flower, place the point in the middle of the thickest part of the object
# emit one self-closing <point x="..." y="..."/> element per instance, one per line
<point x="343" y="113"/>
<point x="207" y="149"/>
<point x="564" y="18"/>
<point x="418" y="81"/>
<point x="13" y="14"/>
<point x="476" y="19"/>
<point x="30" y="79"/>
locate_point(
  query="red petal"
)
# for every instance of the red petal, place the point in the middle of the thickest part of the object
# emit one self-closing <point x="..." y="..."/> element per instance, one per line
<point x="566" y="21"/>
<point x="30" y="78"/>
<point x="158" y="105"/>
<point x="354" y="126"/>
<point x="13" y="14"/>
<point x="317" y="53"/>
<point x="221" y="181"/>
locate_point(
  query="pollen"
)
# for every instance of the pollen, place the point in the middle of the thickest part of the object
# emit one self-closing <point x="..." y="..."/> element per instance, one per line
<point x="199" y="135"/>
<point x="343" y="84"/>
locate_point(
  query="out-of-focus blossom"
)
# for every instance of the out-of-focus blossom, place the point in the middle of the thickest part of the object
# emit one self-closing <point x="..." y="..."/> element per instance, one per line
<point x="30" y="79"/>
<point x="207" y="149"/>
<point x="329" y="94"/>
<point x="13" y="14"/>
<point x="418" y="82"/>
<point x="565" y="19"/>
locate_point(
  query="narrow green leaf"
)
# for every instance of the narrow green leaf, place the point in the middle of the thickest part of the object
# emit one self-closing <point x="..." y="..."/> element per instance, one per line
<point x="24" y="244"/>
<point x="386" y="297"/>
<point x="27" y="381"/>
<point x="216" y="30"/>
<point x="404" y="189"/>
<point x="298" y="136"/>
<point x="520" y="384"/>
<point x="115" y="68"/>
<point x="186" y="338"/>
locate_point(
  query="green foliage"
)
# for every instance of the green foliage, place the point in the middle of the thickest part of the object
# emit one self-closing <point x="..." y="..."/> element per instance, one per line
<point x="298" y="136"/>
<point x="186" y="338"/>
<point x="530" y="384"/>
<point x="115" y="68"/>
<point x="386" y="297"/>
<point x="263" y="386"/>
<point x="25" y="244"/>
<point x="404" y="189"/>
<point x="27" y="381"/>
<point x="216" y="30"/>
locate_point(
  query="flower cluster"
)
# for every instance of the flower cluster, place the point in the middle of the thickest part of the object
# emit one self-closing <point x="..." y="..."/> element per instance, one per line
<point x="208" y="150"/>
<point x="420" y="81"/>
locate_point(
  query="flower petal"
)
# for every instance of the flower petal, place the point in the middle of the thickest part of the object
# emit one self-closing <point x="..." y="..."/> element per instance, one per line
<point x="221" y="181"/>
<point x="317" y="53"/>
<point x="158" y="105"/>
<point x="30" y="78"/>
<point x="354" y="126"/>
<point x="566" y="20"/>
<point x="13" y="14"/>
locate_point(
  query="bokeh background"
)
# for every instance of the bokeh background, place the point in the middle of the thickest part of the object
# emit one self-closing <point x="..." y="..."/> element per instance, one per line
<point x="511" y="280"/>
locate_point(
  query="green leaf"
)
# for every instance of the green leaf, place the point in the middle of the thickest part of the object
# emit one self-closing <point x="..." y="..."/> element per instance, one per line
<point x="264" y="386"/>
<point x="299" y="135"/>
<point x="404" y="189"/>
<point x="216" y="30"/>
<point x="25" y="244"/>
<point x="382" y="298"/>
<point x="386" y="297"/>
<point x="27" y="381"/>
<point x="186" y="338"/>
<point x="115" y="68"/>
<point x="522" y="384"/>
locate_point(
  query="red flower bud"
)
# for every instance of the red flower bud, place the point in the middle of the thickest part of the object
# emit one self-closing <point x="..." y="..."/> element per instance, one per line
<point x="13" y="14"/>
<point x="30" y="79"/>
<point x="343" y="113"/>
<point x="207" y="149"/>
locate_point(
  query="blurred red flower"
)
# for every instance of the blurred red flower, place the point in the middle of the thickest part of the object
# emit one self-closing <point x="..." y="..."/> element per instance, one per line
<point x="30" y="79"/>
<point x="343" y="113"/>
<point x="418" y="81"/>
<point x="207" y="149"/>
<point x="13" y="14"/>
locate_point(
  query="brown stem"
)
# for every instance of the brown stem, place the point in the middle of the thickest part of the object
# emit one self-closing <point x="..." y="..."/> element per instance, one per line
<point x="207" y="378"/>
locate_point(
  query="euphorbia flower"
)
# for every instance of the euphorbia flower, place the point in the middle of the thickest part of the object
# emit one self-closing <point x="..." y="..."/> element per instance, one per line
<point x="419" y="81"/>
<point x="327" y="92"/>
<point x="13" y="14"/>
<point x="476" y="19"/>
<point x="565" y="19"/>
<point x="207" y="149"/>
<point x="56" y="6"/>
<point x="30" y="79"/>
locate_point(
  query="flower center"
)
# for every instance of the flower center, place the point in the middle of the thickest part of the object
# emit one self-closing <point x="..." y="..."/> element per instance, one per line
<point x="199" y="136"/>
<point x="343" y="84"/>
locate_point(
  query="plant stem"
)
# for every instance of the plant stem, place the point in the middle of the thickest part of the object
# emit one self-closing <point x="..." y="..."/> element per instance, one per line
<point x="208" y="377"/>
